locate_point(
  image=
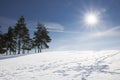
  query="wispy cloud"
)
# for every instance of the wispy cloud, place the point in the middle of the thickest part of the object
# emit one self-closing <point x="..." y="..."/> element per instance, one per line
<point x="115" y="31"/>
<point x="54" y="27"/>
<point x="90" y="40"/>
<point x="111" y="32"/>
<point x="51" y="26"/>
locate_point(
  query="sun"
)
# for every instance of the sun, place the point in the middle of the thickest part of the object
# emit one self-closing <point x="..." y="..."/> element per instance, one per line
<point x="91" y="19"/>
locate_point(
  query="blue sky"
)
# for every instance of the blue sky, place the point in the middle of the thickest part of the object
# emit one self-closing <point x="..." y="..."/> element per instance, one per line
<point x="65" y="21"/>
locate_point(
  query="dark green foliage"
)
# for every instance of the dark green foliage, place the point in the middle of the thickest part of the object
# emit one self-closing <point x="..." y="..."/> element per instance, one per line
<point x="21" y="34"/>
<point x="17" y="39"/>
<point x="2" y="44"/>
<point x="41" y="37"/>
<point x="10" y="40"/>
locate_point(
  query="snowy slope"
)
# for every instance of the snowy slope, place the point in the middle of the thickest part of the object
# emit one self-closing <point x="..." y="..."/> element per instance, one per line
<point x="68" y="65"/>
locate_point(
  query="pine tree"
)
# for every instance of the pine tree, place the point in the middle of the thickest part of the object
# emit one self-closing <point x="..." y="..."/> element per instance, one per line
<point x="22" y="33"/>
<point x="2" y="43"/>
<point x="41" y="37"/>
<point x="10" y="40"/>
<point x="27" y="44"/>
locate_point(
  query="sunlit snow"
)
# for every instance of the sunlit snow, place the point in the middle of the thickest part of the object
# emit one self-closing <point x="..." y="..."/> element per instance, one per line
<point x="67" y="65"/>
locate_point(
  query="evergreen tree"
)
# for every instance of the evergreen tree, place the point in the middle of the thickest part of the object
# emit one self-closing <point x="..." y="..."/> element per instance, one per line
<point x="2" y="43"/>
<point x="41" y="37"/>
<point x="10" y="40"/>
<point x="27" y="44"/>
<point x="21" y="34"/>
<point x="17" y="39"/>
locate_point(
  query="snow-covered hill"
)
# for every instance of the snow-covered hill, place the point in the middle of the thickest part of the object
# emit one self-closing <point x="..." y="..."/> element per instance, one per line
<point x="67" y="65"/>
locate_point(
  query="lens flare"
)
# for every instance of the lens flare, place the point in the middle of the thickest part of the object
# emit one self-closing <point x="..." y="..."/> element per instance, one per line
<point x="91" y="19"/>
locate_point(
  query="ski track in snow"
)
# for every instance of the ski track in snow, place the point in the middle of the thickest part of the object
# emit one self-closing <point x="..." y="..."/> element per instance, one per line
<point x="64" y="66"/>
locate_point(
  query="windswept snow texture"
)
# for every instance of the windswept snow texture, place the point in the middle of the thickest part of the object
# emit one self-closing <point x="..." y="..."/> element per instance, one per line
<point x="68" y="65"/>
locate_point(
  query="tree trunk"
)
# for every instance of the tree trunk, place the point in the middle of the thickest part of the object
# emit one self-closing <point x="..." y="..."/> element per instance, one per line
<point x="15" y="52"/>
<point x="23" y="51"/>
<point x="10" y="52"/>
<point x="35" y="49"/>
<point x="40" y="48"/>
<point x="6" y="52"/>
<point x="19" y="44"/>
<point x="28" y="51"/>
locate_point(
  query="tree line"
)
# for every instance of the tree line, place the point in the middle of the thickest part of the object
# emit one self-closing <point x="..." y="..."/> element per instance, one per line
<point x="17" y="39"/>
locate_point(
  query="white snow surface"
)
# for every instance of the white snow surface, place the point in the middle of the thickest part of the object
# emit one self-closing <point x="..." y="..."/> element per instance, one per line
<point x="63" y="65"/>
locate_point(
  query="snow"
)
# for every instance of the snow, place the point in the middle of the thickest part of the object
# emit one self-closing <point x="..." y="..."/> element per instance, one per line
<point x="64" y="65"/>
